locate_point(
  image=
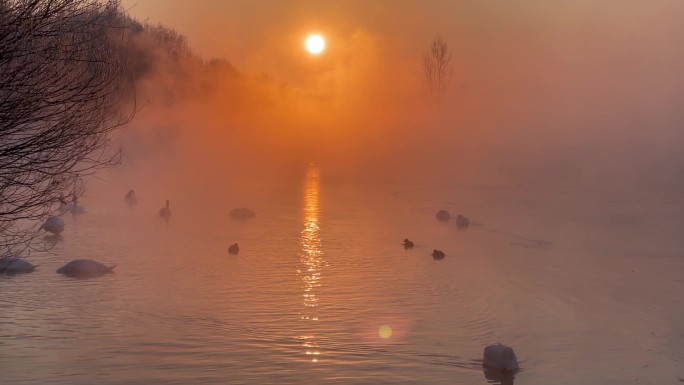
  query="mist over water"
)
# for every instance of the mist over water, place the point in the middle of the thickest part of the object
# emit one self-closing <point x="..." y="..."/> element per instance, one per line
<point x="559" y="137"/>
<point x="321" y="276"/>
<point x="554" y="95"/>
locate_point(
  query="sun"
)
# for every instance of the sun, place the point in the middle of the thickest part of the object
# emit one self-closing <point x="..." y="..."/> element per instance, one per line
<point x="315" y="44"/>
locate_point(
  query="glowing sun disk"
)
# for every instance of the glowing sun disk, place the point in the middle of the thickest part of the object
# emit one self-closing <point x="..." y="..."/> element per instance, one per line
<point x="315" y="44"/>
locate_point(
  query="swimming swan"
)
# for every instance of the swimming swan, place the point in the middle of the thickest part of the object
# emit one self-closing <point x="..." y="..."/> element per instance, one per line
<point x="165" y="212"/>
<point x="12" y="265"/>
<point x="241" y="214"/>
<point x="442" y="215"/>
<point x="499" y="356"/>
<point x="75" y="207"/>
<point x="64" y="207"/>
<point x="54" y="225"/>
<point x="130" y="198"/>
<point x="462" y="222"/>
<point x="84" y="268"/>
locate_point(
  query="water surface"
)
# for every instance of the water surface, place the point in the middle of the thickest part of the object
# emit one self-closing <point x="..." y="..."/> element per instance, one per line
<point x="586" y="286"/>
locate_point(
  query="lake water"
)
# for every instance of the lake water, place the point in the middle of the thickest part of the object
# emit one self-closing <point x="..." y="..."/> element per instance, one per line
<point x="588" y="287"/>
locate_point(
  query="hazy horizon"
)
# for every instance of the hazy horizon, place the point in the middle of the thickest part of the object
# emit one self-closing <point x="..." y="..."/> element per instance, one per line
<point x="569" y="94"/>
<point x="554" y="144"/>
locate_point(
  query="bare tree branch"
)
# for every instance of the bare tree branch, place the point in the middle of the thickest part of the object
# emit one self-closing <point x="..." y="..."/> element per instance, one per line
<point x="61" y="83"/>
<point x="437" y="68"/>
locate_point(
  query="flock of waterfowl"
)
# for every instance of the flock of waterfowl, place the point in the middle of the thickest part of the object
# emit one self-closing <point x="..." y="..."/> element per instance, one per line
<point x="497" y="356"/>
<point x="54" y="225"/>
<point x="85" y="267"/>
<point x="462" y="222"/>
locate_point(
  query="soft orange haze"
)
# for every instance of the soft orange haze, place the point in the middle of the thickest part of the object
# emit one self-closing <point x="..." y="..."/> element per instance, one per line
<point x="559" y="134"/>
<point x="556" y="91"/>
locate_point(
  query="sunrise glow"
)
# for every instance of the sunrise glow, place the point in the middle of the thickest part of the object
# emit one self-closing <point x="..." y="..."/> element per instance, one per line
<point x="315" y="44"/>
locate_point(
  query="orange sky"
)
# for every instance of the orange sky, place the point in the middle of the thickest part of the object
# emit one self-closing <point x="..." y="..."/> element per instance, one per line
<point x="241" y="30"/>
<point x="533" y="80"/>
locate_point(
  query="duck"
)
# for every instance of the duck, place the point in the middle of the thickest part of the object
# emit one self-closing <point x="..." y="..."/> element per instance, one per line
<point x="165" y="212"/>
<point x="408" y="244"/>
<point x="54" y="225"/>
<point x="437" y="254"/>
<point x="130" y="198"/>
<point x="233" y="249"/>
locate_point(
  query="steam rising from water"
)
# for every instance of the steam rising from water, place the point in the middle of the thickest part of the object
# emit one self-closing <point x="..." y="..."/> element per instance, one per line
<point x="565" y="95"/>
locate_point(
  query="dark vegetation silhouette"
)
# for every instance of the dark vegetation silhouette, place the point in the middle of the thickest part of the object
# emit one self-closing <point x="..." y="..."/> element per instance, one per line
<point x="437" y="68"/>
<point x="69" y="72"/>
<point x="61" y="80"/>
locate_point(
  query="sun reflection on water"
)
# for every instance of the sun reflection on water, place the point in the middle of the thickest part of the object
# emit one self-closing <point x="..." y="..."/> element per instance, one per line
<point x="311" y="259"/>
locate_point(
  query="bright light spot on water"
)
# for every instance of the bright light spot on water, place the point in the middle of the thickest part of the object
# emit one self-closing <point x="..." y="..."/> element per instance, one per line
<point x="385" y="332"/>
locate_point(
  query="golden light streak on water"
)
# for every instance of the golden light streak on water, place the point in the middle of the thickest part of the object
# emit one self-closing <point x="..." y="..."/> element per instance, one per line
<point x="311" y="258"/>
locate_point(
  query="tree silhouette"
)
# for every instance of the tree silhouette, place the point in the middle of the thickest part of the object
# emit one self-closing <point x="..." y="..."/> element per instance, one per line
<point x="61" y="77"/>
<point x="437" y="68"/>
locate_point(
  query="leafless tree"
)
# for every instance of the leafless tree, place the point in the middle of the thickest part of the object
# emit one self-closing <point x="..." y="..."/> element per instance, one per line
<point x="437" y="68"/>
<point x="60" y="93"/>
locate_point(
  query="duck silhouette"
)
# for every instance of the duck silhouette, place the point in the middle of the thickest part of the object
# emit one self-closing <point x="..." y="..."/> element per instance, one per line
<point x="437" y="254"/>
<point x="233" y="249"/>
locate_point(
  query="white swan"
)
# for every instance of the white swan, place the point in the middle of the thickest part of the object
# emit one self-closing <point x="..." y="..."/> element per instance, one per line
<point x="54" y="225"/>
<point x="130" y="198"/>
<point x="165" y="212"/>
<point x="64" y="207"/>
<point x="75" y="207"/>
<point x="241" y="214"/>
<point x="462" y="222"/>
<point x="499" y="356"/>
<point x="442" y="215"/>
<point x="11" y="265"/>
<point x="84" y="268"/>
